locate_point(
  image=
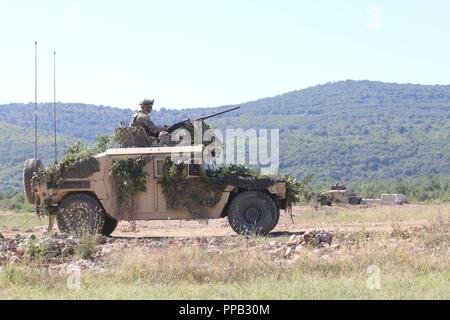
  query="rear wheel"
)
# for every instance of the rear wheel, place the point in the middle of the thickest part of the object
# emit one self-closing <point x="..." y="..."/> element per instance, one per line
<point x="30" y="167"/>
<point x="355" y="201"/>
<point x="109" y="226"/>
<point x="325" y="202"/>
<point x="81" y="214"/>
<point x="253" y="212"/>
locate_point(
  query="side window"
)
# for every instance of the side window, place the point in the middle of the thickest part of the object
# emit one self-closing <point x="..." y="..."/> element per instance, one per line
<point x="195" y="170"/>
<point x="160" y="168"/>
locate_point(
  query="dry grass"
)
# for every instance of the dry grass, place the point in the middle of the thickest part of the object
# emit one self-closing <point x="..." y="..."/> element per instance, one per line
<point x="413" y="263"/>
<point x="381" y="214"/>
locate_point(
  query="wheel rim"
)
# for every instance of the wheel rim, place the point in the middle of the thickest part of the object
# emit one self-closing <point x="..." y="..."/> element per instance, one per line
<point x="252" y="214"/>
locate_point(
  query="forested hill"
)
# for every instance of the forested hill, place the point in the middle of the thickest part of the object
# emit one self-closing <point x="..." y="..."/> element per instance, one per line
<point x="348" y="130"/>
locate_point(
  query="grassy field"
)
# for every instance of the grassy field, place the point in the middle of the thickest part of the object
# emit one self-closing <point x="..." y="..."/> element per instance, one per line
<point x="20" y="220"/>
<point x="381" y="214"/>
<point x="412" y="260"/>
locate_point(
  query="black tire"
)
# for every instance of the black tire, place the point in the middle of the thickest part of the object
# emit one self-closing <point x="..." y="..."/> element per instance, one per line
<point x="30" y="167"/>
<point x="109" y="226"/>
<point x="80" y="214"/>
<point x="325" y="202"/>
<point x="355" y="201"/>
<point x="253" y="212"/>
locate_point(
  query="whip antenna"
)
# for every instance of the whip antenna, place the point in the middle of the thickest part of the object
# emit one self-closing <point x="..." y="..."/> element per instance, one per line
<point x="35" y="101"/>
<point x="54" y="102"/>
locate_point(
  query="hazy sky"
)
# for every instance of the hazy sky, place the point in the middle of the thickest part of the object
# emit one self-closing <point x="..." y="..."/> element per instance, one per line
<point x="210" y="53"/>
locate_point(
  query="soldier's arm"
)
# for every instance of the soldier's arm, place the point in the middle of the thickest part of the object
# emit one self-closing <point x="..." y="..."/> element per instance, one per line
<point x="150" y="127"/>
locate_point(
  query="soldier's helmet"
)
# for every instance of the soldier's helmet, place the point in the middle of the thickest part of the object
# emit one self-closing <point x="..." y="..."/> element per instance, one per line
<point x="146" y="103"/>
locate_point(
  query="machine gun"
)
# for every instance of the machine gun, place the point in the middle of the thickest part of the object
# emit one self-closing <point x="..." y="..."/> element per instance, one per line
<point x="188" y="122"/>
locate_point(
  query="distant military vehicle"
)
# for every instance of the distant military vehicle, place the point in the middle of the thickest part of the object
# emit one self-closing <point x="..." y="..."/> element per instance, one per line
<point x="338" y="194"/>
<point x="86" y="198"/>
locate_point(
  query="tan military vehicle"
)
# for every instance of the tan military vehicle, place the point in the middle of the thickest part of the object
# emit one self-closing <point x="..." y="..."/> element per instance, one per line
<point x="87" y="197"/>
<point x="338" y="194"/>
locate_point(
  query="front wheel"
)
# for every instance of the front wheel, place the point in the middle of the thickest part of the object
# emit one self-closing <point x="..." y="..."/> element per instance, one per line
<point x="325" y="202"/>
<point x="253" y="212"/>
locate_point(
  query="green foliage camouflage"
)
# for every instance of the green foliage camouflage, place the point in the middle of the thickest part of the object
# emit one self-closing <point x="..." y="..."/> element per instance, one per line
<point x="79" y="152"/>
<point x="197" y="193"/>
<point x="78" y="161"/>
<point x="75" y="153"/>
<point x="43" y="209"/>
<point x="127" y="137"/>
<point x="193" y="193"/>
<point x="298" y="191"/>
<point x="129" y="177"/>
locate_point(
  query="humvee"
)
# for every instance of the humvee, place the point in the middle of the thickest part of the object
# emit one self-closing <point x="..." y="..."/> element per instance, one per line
<point x="87" y="197"/>
<point x="338" y="194"/>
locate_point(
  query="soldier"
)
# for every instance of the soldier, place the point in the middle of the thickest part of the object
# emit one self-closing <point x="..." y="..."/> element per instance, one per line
<point x="140" y="118"/>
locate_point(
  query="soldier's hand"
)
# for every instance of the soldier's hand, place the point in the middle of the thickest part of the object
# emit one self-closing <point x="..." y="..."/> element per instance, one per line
<point x="164" y="137"/>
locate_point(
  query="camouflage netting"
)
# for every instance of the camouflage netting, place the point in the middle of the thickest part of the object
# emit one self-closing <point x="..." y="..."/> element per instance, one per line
<point x="77" y="162"/>
<point x="194" y="194"/>
<point x="250" y="182"/>
<point x="54" y="176"/>
<point x="81" y="168"/>
<point x="128" y="137"/>
<point x="135" y="136"/>
<point x="56" y="173"/>
<point x="198" y="193"/>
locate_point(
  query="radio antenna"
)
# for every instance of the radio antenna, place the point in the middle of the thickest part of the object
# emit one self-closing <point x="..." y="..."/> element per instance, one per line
<point x="54" y="102"/>
<point x="35" y="101"/>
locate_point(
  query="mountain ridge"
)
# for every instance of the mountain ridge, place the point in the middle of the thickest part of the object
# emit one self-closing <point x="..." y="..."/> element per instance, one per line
<point x="345" y="130"/>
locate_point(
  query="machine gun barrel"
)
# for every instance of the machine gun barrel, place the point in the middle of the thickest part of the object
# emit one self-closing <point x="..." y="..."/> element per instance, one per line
<point x="181" y="124"/>
<point x="215" y="114"/>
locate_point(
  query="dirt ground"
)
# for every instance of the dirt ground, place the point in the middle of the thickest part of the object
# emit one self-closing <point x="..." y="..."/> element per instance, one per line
<point x="220" y="227"/>
<point x="304" y="219"/>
